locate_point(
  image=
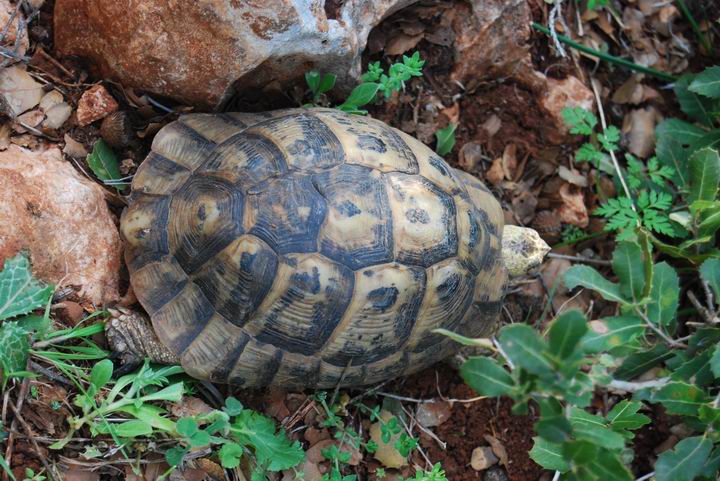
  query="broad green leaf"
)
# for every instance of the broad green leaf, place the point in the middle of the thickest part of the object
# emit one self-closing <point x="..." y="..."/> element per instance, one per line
<point x="640" y="362"/>
<point x="565" y="333"/>
<point x="361" y="95"/>
<point x="173" y="393"/>
<point x="684" y="461"/>
<point x="627" y="263"/>
<point x="608" y="466"/>
<point x="709" y="223"/>
<point x="579" y="452"/>
<point x="20" y="293"/>
<point x="611" y="332"/>
<point x="715" y="361"/>
<point x="594" y="429"/>
<point x="230" y="454"/>
<point x="548" y="455"/>
<point x="589" y="278"/>
<point x="624" y="416"/>
<point x="487" y="377"/>
<point x="680" y="398"/>
<point x="101" y="374"/>
<point x="525" y="348"/>
<point x="664" y="295"/>
<point x="696" y="369"/>
<point x="312" y="78"/>
<point x="704" y="169"/>
<point x="707" y="82"/>
<point x="14" y="347"/>
<point x="445" y="139"/>
<point x="327" y="82"/>
<point x="153" y="415"/>
<point x="712" y="465"/>
<point x="174" y="456"/>
<point x="710" y="272"/>
<point x="695" y="106"/>
<point x="186" y="427"/>
<point x="272" y="449"/>
<point x="674" y="137"/>
<point x="104" y="163"/>
<point x="131" y="429"/>
<point x="555" y="429"/>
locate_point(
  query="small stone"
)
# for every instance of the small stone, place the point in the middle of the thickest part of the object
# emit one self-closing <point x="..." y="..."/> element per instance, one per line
<point x="433" y="414"/>
<point x="471" y="155"/>
<point x="57" y="115"/>
<point x="495" y="474"/>
<point x="72" y="311"/>
<point x="51" y="99"/>
<point x="28" y="119"/>
<point x="74" y="149"/>
<point x="96" y="103"/>
<point x="19" y="92"/>
<point x="482" y="458"/>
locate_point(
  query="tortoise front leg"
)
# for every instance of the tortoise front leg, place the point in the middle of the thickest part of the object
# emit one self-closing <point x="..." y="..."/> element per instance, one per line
<point x="132" y="338"/>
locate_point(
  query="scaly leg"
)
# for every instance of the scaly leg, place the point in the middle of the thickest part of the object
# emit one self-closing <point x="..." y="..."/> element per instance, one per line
<point x="132" y="338"/>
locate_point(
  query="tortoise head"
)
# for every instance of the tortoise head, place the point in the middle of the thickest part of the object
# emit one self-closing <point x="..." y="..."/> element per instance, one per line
<point x="522" y="249"/>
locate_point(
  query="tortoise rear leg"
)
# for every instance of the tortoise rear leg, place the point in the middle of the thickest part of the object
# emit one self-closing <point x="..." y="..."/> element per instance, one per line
<point x="132" y="338"/>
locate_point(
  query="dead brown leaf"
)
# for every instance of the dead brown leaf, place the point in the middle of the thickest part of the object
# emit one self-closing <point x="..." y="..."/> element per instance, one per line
<point x="573" y="210"/>
<point x="190" y="406"/>
<point x="401" y="43"/>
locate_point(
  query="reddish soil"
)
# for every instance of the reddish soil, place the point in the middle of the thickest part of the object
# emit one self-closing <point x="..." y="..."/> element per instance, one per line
<point x="468" y="425"/>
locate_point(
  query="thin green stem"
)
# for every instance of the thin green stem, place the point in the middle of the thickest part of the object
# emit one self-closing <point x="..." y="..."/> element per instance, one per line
<point x="695" y="27"/>
<point x="606" y="56"/>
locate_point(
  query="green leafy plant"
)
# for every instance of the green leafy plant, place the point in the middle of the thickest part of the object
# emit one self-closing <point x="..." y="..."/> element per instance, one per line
<point x="560" y="370"/>
<point x="105" y="164"/>
<point x="319" y="83"/>
<point x="572" y="234"/>
<point x="445" y="139"/>
<point x="346" y="435"/>
<point x="374" y="82"/>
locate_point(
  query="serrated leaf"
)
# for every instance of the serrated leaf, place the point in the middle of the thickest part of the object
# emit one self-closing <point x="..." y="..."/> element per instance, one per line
<point x="710" y="272"/>
<point x="610" y="332"/>
<point x="20" y="293"/>
<point x="680" y="398"/>
<point x="487" y="377"/>
<point x="684" y="461"/>
<point x="695" y="106"/>
<point x="104" y="163"/>
<point x="14" y="348"/>
<point x="627" y="264"/>
<point x="579" y="120"/>
<point x="548" y="455"/>
<point x="640" y="362"/>
<point x="272" y="449"/>
<point x="664" y="295"/>
<point x="624" y="416"/>
<point x="525" y="348"/>
<point x="589" y="278"/>
<point x="594" y="429"/>
<point x="445" y="139"/>
<point x="565" y="333"/>
<point x="704" y="172"/>
<point x="707" y="82"/>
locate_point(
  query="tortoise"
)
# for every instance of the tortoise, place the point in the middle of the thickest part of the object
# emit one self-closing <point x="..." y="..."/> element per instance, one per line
<point x="308" y="248"/>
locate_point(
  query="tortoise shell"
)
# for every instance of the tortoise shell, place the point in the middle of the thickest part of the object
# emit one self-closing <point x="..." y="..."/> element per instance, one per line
<point x="308" y="248"/>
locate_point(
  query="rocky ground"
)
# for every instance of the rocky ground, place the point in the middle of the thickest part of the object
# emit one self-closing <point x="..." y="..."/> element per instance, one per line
<point x="71" y="76"/>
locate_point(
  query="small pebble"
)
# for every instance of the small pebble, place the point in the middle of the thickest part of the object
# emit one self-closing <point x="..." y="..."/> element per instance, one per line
<point x="433" y="414"/>
<point x="482" y="458"/>
<point x="495" y="474"/>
